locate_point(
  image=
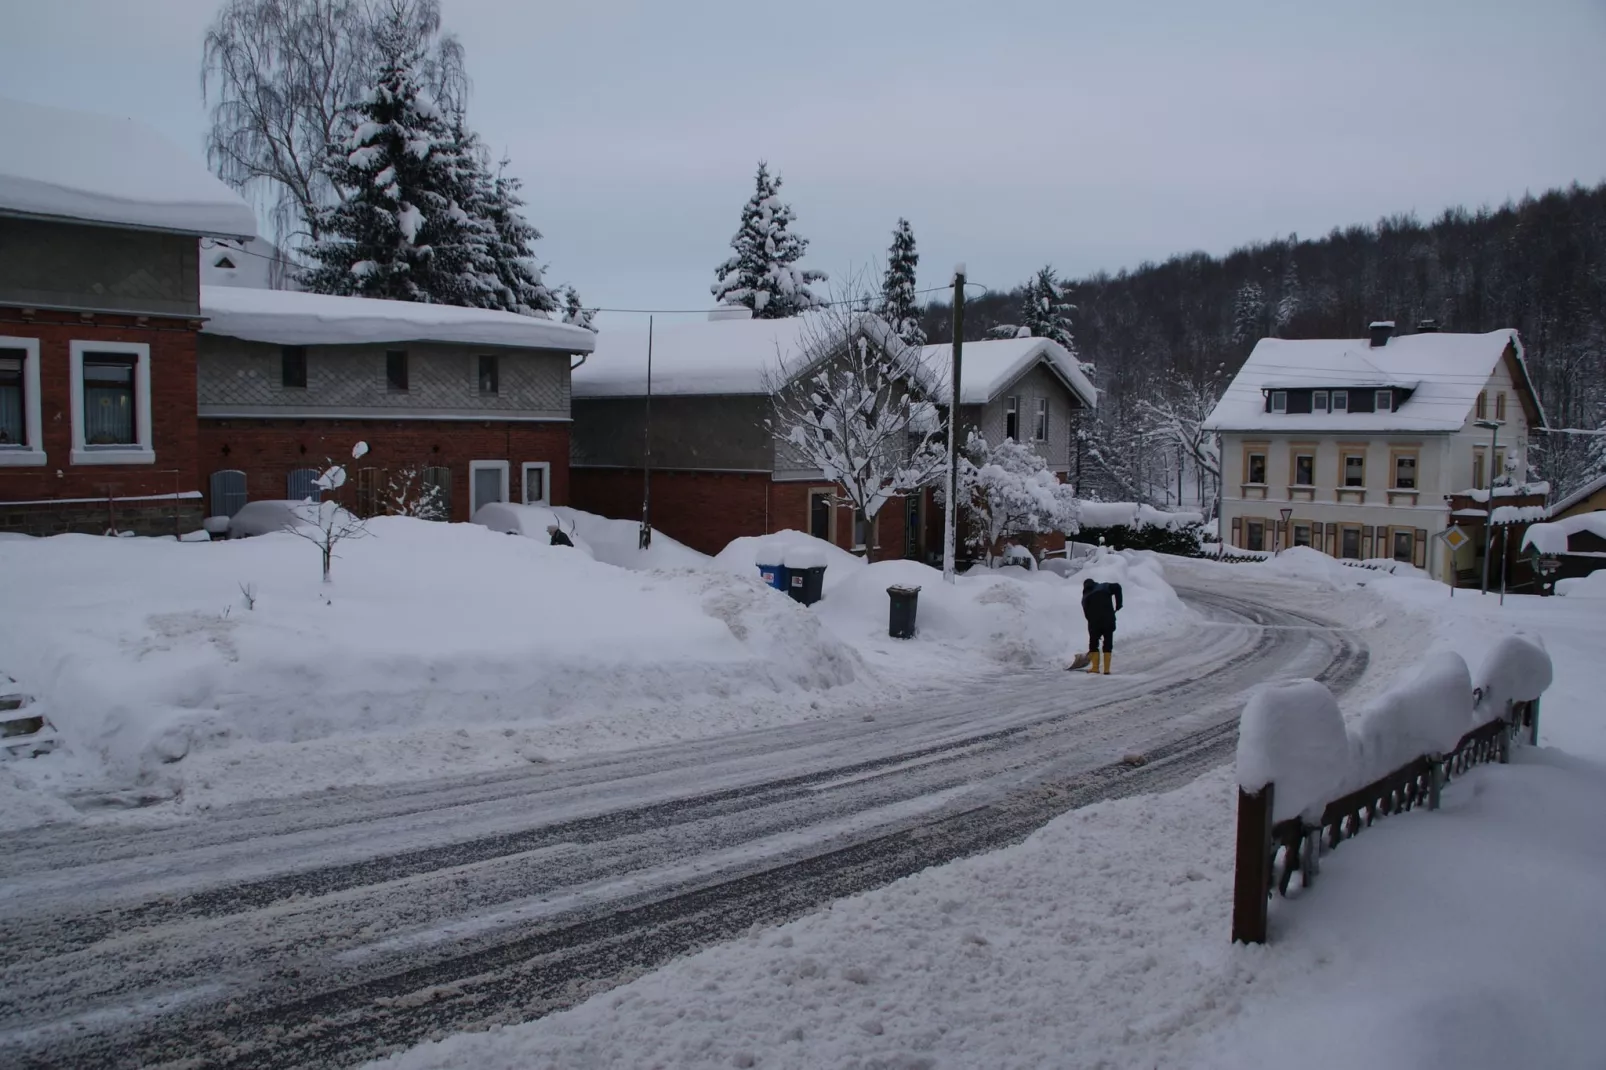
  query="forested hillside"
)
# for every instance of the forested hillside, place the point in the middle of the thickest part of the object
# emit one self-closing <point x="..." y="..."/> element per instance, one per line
<point x="1165" y="338"/>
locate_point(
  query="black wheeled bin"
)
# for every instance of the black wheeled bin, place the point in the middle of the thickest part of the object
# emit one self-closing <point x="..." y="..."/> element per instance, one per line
<point x="905" y="602"/>
<point x="806" y="585"/>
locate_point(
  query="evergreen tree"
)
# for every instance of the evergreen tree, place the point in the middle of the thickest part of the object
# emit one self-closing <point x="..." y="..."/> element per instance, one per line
<point x="516" y="282"/>
<point x="574" y="312"/>
<point x="401" y="231"/>
<point x="1248" y="313"/>
<point x="1290" y="300"/>
<point x="762" y="274"/>
<point x="898" y="287"/>
<point x="1044" y="312"/>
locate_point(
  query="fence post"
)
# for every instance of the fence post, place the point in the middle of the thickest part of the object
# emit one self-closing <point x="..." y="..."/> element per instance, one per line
<point x="1252" y="874"/>
<point x="1533" y="723"/>
<point x="1435" y="784"/>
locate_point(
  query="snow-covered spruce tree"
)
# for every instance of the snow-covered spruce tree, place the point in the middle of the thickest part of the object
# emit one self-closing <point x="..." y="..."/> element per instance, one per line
<point x="576" y="313"/>
<point x="855" y="403"/>
<point x="1044" y="313"/>
<point x="1249" y="314"/>
<point x="898" y="305"/>
<point x="516" y="281"/>
<point x="762" y="273"/>
<point x="1008" y="491"/>
<point x="402" y="231"/>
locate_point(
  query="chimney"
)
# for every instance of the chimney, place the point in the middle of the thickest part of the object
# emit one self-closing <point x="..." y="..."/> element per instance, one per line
<point x="1381" y="329"/>
<point x="1427" y="327"/>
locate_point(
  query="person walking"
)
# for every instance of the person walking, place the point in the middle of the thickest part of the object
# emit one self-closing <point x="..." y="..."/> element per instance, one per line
<point x="1100" y="603"/>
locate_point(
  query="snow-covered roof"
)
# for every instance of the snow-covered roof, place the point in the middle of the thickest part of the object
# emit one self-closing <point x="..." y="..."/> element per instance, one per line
<point x="990" y="366"/>
<point x="105" y="169"/>
<point x="714" y="356"/>
<point x="1446" y="372"/>
<point x="1564" y="504"/>
<point x="287" y="317"/>
<point x="1551" y="538"/>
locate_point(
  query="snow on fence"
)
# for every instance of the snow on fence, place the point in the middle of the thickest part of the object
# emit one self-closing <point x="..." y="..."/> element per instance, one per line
<point x="1307" y="781"/>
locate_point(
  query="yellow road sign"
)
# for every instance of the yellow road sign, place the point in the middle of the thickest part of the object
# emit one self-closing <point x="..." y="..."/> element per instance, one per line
<point x="1454" y="537"/>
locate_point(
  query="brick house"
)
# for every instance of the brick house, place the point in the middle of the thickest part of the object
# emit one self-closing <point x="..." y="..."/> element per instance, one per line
<point x="1373" y="445"/>
<point x="100" y="225"/>
<point x="719" y="470"/>
<point x="472" y="401"/>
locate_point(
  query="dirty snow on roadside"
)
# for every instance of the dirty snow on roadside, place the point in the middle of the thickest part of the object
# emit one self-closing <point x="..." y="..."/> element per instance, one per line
<point x="1102" y="941"/>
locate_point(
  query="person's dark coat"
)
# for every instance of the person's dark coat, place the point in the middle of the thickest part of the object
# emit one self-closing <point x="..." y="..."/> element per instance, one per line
<point x="560" y="539"/>
<point x="1100" y="601"/>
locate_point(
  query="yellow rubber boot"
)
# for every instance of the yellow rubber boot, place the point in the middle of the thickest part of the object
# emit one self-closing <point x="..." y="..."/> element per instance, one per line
<point x="1106" y="664"/>
<point x="1093" y="662"/>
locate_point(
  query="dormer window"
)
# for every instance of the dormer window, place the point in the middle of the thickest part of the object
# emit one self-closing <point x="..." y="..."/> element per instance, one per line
<point x="1341" y="401"/>
<point x="1318" y="401"/>
<point x="1279" y="401"/>
<point x="1385" y="401"/>
<point x="225" y="263"/>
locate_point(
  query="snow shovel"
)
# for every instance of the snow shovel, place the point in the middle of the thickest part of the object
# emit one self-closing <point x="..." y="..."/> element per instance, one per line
<point x="1080" y="662"/>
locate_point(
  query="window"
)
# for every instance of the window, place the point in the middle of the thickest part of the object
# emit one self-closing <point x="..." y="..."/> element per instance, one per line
<point x="227" y="265"/>
<point x="1341" y="401"/>
<point x="21" y="423"/>
<point x="537" y="482"/>
<point x="1404" y="548"/>
<point x="861" y="529"/>
<point x="1257" y="535"/>
<point x="1012" y="418"/>
<point x="301" y="485"/>
<point x="111" y="402"/>
<point x="1040" y="431"/>
<point x="1500" y="406"/>
<point x="1498" y="468"/>
<point x="228" y="492"/>
<point x="490" y="375"/>
<point x="1355" y="470"/>
<point x="1349" y="542"/>
<point x="1483" y="405"/>
<point x="1318" y="401"/>
<point x="1384" y="401"/>
<point x="1405" y="472"/>
<point x="1279" y="401"/>
<point x="1477" y="469"/>
<point x="396" y="370"/>
<point x="1257" y="468"/>
<point x="487" y="482"/>
<point x="1301" y="534"/>
<point x="293" y="366"/>
<point x="1304" y="469"/>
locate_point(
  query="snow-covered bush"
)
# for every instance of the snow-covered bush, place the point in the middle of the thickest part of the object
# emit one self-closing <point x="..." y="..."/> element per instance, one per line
<point x="1009" y="492"/>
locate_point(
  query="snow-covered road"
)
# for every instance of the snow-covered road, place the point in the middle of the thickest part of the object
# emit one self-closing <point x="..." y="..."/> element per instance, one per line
<point x="328" y="929"/>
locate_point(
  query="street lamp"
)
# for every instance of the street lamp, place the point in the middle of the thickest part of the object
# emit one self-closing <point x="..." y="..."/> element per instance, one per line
<point x="1286" y="534"/>
<point x="1493" y="427"/>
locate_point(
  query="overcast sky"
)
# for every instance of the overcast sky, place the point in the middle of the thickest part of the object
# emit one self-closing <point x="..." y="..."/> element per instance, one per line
<point x="1011" y="134"/>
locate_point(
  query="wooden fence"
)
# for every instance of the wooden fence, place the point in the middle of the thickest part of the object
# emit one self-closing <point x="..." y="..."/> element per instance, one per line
<point x="1270" y="854"/>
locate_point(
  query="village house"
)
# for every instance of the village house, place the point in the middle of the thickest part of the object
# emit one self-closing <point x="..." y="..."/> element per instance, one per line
<point x="473" y="403"/>
<point x="100" y="225"/>
<point x="1367" y="448"/>
<point x="1573" y="536"/>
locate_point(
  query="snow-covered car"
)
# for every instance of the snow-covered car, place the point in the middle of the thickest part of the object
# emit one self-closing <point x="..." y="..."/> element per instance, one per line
<point x="531" y="521"/>
<point x="262" y="517"/>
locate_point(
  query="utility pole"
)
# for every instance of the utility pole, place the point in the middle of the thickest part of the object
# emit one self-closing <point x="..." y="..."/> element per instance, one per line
<point x="1488" y="516"/>
<point x="951" y="513"/>
<point x="646" y="454"/>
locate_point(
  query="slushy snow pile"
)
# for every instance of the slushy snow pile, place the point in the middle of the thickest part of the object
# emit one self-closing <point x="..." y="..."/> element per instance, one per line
<point x="145" y="655"/>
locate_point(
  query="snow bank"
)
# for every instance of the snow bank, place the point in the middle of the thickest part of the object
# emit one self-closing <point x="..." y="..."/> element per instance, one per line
<point x="618" y="542"/>
<point x="743" y="554"/>
<point x="530" y="521"/>
<point x="1292" y="735"/>
<point x="1131" y="515"/>
<point x="1590" y="586"/>
<point x="1311" y="565"/>
<point x="80" y="165"/>
<point x="143" y="651"/>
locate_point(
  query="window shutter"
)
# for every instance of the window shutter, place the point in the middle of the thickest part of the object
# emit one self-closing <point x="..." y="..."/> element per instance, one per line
<point x="370" y="486"/>
<point x="1238" y="531"/>
<point x="1419" y="549"/>
<point x="228" y="492"/>
<point x="1316" y="533"/>
<point x="1332" y="540"/>
<point x="1366" y="543"/>
<point x="302" y="485"/>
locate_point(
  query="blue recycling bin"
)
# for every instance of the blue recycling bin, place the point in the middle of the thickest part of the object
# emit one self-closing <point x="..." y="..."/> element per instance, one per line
<point x="775" y="576"/>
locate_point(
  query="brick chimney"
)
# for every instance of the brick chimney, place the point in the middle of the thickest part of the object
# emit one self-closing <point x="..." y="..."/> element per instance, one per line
<point x="1381" y="330"/>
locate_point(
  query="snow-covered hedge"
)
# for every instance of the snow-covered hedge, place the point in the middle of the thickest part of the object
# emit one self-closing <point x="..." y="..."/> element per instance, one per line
<point x="1293" y="735"/>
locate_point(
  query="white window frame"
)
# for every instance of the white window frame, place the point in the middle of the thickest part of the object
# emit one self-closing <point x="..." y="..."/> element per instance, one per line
<point x="31" y="453"/>
<point x="546" y="482"/>
<point x="142" y="451"/>
<point x="1318" y="401"/>
<point x="1383" y="401"/>
<point x="1335" y="404"/>
<point x="476" y="466"/>
<point x="1040" y="421"/>
<point x="1012" y="408"/>
<point x="1279" y="401"/>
